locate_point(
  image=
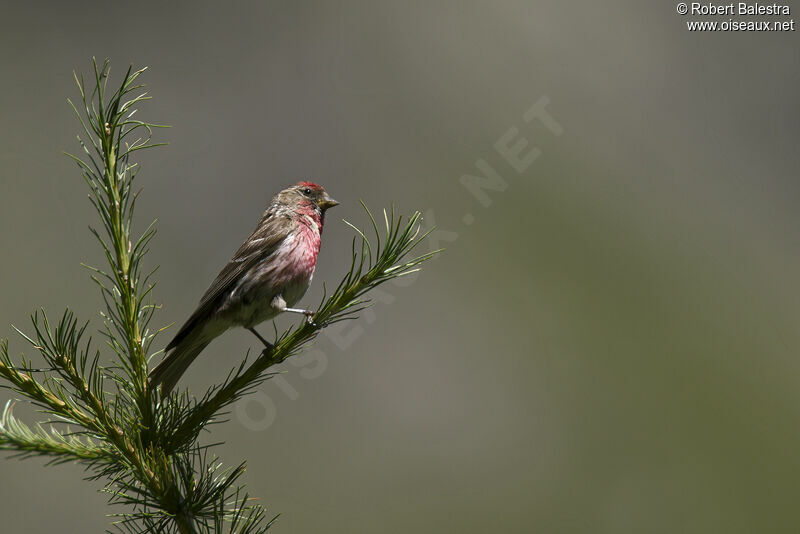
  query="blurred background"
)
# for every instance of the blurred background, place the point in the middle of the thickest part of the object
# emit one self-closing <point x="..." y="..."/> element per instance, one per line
<point x="609" y="342"/>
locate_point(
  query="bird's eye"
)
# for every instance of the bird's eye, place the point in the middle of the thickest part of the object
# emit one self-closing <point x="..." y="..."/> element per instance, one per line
<point x="306" y="191"/>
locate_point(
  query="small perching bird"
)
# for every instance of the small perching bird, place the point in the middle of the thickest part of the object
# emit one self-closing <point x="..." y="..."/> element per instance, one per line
<point x="269" y="273"/>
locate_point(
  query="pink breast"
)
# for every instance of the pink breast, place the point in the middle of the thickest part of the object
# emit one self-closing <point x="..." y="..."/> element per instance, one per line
<point x="299" y="256"/>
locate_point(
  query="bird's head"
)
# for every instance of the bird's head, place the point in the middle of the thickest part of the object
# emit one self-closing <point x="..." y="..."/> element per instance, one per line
<point x="305" y="195"/>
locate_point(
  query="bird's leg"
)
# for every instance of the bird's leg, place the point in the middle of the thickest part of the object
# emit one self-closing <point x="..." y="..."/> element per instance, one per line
<point x="269" y="346"/>
<point x="309" y="314"/>
<point x="279" y="304"/>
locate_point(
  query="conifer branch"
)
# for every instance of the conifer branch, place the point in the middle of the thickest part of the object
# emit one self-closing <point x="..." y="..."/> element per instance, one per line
<point x="104" y="414"/>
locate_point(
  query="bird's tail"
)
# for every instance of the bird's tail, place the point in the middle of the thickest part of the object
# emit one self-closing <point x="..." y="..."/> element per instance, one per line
<point x="168" y="372"/>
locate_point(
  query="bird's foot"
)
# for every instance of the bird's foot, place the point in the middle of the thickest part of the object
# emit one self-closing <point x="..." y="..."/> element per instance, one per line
<point x="308" y="313"/>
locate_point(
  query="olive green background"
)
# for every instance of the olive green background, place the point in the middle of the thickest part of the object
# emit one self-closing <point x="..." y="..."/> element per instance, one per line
<point x="610" y="347"/>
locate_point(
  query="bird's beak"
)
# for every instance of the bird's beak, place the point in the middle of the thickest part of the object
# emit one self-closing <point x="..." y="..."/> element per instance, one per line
<point x="327" y="202"/>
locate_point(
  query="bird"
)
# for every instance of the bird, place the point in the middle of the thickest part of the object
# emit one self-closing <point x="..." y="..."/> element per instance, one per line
<point x="267" y="275"/>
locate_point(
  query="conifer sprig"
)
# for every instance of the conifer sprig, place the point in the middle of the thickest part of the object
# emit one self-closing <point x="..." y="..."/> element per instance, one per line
<point x="103" y="413"/>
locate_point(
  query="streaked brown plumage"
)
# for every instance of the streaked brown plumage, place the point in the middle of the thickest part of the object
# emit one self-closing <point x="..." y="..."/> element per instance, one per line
<point x="269" y="273"/>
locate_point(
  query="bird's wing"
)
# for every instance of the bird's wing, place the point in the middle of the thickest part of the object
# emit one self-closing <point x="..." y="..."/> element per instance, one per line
<point x="271" y="230"/>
